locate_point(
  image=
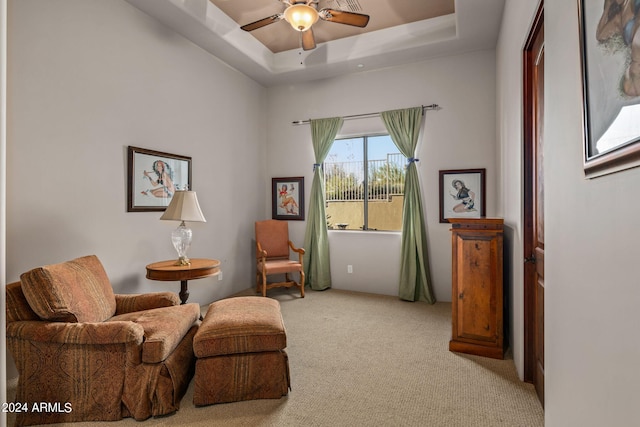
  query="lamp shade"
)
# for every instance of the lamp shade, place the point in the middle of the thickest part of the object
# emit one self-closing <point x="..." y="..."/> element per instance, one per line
<point x="300" y="16"/>
<point x="184" y="206"/>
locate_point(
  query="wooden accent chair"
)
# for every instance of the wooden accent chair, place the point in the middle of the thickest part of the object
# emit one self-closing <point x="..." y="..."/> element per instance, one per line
<point x="272" y="253"/>
<point x="102" y="356"/>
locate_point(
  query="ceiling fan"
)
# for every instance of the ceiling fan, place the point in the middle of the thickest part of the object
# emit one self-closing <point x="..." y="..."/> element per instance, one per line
<point x="302" y="14"/>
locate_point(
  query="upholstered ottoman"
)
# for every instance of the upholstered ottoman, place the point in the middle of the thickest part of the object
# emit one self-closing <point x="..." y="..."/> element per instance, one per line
<point x="240" y="352"/>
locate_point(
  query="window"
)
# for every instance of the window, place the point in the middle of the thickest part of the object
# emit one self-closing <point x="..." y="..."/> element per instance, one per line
<point x="364" y="184"/>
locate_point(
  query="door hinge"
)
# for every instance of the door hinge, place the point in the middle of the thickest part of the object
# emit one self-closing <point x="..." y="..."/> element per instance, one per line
<point x="531" y="259"/>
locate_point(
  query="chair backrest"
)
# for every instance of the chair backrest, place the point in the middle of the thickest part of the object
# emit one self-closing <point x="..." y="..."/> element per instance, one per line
<point x="273" y="237"/>
<point x="73" y="291"/>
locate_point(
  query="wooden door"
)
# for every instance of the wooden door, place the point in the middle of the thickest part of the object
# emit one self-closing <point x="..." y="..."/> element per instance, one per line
<point x="534" y="206"/>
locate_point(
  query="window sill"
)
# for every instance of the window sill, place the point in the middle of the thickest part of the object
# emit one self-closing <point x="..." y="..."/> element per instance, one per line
<point x="334" y="231"/>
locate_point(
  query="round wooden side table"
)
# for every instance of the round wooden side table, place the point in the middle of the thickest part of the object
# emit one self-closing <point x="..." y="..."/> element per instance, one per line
<point x="168" y="271"/>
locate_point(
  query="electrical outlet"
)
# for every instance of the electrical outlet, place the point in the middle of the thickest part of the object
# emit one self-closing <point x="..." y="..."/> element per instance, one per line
<point x="349" y="268"/>
<point x="220" y="276"/>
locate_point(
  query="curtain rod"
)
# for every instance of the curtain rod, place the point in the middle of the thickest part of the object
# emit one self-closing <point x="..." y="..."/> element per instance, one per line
<point x="360" y="116"/>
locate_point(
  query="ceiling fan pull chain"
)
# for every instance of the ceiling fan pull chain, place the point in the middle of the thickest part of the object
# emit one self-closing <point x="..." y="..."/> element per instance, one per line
<point x="301" y="49"/>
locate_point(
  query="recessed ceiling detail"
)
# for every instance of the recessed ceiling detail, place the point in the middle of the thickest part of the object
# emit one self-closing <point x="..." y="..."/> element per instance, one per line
<point x="398" y="32"/>
<point x="280" y="37"/>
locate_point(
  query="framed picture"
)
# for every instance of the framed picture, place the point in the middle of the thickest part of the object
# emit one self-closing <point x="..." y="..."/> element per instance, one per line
<point x="462" y="194"/>
<point x="287" y="198"/>
<point x="153" y="177"/>
<point x="611" y="85"/>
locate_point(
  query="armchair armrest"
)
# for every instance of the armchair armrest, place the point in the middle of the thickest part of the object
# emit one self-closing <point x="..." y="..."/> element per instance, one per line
<point x="293" y="248"/>
<point x="116" y="332"/>
<point x="260" y="253"/>
<point x="128" y="303"/>
<point x="300" y="251"/>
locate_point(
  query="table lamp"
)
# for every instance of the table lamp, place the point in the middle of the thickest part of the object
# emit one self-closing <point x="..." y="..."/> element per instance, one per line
<point x="183" y="207"/>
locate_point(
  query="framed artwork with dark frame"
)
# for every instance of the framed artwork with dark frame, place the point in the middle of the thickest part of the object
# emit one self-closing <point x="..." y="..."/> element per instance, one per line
<point x="287" y="198"/>
<point x="153" y="177"/>
<point x="610" y="52"/>
<point x="462" y="194"/>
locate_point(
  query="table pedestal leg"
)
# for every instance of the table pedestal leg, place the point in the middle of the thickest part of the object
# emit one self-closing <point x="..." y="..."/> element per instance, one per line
<point x="184" y="292"/>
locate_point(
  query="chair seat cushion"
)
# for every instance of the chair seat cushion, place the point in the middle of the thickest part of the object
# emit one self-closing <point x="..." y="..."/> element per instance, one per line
<point x="240" y="325"/>
<point x="280" y="266"/>
<point x="163" y="327"/>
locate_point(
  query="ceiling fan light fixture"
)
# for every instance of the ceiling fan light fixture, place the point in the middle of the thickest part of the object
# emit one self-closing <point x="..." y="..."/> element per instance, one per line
<point x="301" y="16"/>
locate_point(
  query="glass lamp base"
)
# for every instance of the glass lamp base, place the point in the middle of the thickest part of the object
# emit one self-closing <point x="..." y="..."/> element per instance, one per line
<point x="181" y="239"/>
<point x="183" y="261"/>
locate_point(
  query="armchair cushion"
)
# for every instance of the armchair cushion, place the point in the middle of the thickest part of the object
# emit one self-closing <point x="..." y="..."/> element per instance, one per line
<point x="72" y="291"/>
<point x="164" y="328"/>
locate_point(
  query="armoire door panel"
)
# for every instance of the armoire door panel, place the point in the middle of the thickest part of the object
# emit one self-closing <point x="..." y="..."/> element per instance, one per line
<point x="477" y="306"/>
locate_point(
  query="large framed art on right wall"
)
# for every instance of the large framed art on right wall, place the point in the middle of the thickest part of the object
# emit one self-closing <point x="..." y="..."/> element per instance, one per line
<point x="610" y="53"/>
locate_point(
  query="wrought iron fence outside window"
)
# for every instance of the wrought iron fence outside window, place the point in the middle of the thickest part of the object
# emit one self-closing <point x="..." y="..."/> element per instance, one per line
<point x="343" y="181"/>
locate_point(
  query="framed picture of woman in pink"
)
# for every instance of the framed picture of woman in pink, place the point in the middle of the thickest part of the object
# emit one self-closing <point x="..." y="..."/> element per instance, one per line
<point x="153" y="177"/>
<point x="462" y="194"/>
<point x="287" y="198"/>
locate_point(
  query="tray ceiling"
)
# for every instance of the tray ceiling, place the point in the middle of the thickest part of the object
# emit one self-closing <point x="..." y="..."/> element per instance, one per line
<point x="399" y="32"/>
<point x="279" y="37"/>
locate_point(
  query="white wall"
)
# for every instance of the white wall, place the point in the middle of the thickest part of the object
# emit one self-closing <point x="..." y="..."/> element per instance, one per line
<point x="3" y="198"/>
<point x="87" y="78"/>
<point x="592" y="290"/>
<point x="591" y="235"/>
<point x="460" y="136"/>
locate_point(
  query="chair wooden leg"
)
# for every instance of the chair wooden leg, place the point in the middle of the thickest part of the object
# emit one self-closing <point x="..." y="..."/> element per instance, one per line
<point x="264" y="285"/>
<point x="302" y="284"/>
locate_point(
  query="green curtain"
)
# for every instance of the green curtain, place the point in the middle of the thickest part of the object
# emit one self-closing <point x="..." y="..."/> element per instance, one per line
<point x="415" y="277"/>
<point x="317" y="268"/>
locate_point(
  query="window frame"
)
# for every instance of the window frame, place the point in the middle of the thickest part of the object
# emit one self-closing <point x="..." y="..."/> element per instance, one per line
<point x="365" y="170"/>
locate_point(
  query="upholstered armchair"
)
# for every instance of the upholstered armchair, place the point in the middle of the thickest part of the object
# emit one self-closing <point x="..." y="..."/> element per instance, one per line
<point x="272" y="253"/>
<point x="93" y="354"/>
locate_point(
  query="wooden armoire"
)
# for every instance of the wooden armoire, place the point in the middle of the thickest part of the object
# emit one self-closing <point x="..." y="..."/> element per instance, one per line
<point x="476" y="285"/>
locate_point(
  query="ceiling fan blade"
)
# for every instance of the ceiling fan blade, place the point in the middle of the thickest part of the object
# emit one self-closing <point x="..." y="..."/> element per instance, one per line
<point x="262" y="22"/>
<point x="342" y="17"/>
<point x="308" y="41"/>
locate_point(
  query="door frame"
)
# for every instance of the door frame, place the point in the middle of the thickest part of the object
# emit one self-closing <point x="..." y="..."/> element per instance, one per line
<point x="529" y="196"/>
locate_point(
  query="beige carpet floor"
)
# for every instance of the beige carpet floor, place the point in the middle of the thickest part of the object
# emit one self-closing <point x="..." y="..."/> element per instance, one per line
<point x="368" y="360"/>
